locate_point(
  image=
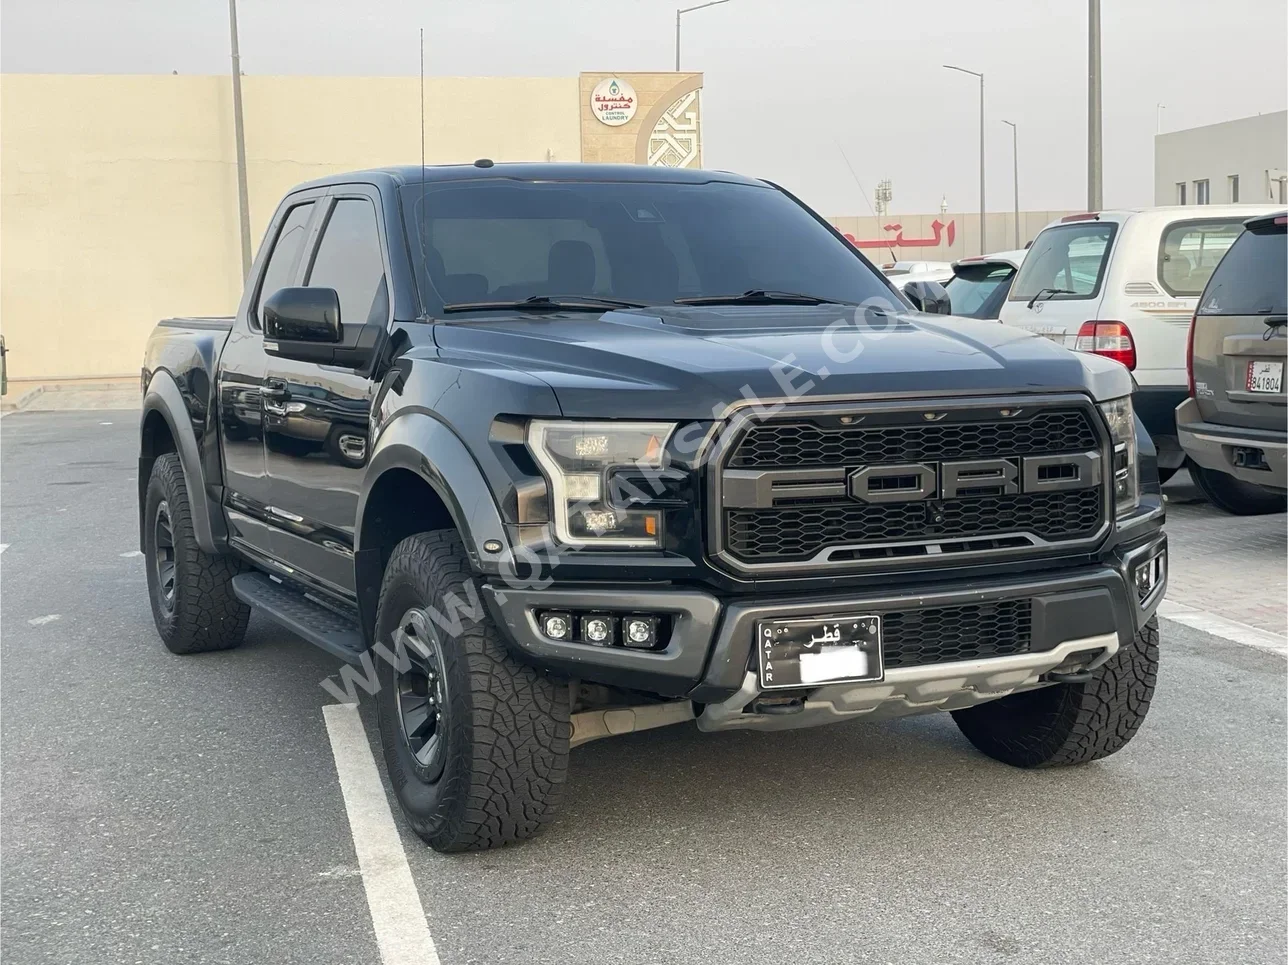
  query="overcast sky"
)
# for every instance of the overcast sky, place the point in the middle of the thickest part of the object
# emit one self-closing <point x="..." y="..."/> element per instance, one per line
<point x="786" y="80"/>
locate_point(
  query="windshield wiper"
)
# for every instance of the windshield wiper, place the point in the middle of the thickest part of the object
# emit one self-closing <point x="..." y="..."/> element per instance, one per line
<point x="547" y="303"/>
<point x="1049" y="293"/>
<point x="760" y="296"/>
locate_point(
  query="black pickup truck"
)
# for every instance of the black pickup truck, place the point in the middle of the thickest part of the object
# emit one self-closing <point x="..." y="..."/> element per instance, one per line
<point x="550" y="453"/>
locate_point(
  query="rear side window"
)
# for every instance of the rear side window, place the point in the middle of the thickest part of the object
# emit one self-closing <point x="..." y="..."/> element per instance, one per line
<point x="1189" y="251"/>
<point x="285" y="259"/>
<point x="1252" y="278"/>
<point x="1070" y="258"/>
<point x="348" y="260"/>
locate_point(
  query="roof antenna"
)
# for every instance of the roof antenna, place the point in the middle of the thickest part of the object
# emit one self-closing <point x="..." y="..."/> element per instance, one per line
<point x="876" y="217"/>
<point x="420" y="225"/>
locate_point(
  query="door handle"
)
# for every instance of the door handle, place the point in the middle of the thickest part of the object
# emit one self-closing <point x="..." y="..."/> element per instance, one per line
<point x="275" y="391"/>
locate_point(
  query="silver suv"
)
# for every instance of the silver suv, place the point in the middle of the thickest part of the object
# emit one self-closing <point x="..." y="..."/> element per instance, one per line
<point x="1234" y="425"/>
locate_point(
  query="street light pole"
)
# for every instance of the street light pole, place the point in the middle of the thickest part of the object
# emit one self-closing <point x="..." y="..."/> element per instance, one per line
<point x="1095" y="156"/>
<point x="700" y="6"/>
<point x="239" y="134"/>
<point x="983" y="247"/>
<point x="1015" y="159"/>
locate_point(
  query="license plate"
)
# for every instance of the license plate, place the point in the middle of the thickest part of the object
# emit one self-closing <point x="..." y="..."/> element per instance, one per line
<point x="1265" y="376"/>
<point x="811" y="652"/>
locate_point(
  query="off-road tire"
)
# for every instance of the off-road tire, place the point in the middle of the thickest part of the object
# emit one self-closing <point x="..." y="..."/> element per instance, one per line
<point x="201" y="614"/>
<point x="1236" y="496"/>
<point x="506" y="724"/>
<point x="1070" y="723"/>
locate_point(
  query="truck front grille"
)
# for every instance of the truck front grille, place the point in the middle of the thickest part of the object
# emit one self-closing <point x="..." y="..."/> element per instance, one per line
<point x="913" y="638"/>
<point x="804" y="490"/>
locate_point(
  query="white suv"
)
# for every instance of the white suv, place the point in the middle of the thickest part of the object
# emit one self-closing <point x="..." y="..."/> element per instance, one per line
<point x="1125" y="284"/>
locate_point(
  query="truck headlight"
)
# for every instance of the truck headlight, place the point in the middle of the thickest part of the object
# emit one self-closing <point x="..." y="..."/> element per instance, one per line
<point x="1126" y="468"/>
<point x="577" y="459"/>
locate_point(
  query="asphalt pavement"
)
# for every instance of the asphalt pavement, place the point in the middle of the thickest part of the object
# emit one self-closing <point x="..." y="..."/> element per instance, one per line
<point x="162" y="809"/>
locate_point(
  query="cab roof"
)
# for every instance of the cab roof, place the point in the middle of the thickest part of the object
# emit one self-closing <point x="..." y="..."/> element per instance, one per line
<point x="399" y="175"/>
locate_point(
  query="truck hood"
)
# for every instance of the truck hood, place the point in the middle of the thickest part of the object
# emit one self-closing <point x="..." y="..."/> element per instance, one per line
<point x="691" y="362"/>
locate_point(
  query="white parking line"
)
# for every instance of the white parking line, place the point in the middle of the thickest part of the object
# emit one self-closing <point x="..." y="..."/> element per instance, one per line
<point x="396" y="912"/>
<point x="1221" y="627"/>
<point x="3" y="547"/>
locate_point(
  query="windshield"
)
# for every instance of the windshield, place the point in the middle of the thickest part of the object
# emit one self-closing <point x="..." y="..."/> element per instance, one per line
<point x="505" y="240"/>
<point x="976" y="290"/>
<point x="1071" y="257"/>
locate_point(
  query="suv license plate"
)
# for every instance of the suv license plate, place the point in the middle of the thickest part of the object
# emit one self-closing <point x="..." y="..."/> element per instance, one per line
<point x="1265" y="376"/>
<point x="812" y="652"/>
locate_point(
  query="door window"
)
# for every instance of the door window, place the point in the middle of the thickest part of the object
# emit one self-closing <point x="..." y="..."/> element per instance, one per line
<point x="1190" y="250"/>
<point x="348" y="260"/>
<point x="285" y="259"/>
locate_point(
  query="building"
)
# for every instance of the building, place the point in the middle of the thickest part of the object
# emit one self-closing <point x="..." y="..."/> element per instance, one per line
<point x="1244" y="161"/>
<point x="118" y="194"/>
<point x="943" y="236"/>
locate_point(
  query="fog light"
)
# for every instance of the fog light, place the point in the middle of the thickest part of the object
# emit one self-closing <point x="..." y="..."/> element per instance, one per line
<point x="597" y="630"/>
<point x="557" y="626"/>
<point x="640" y="631"/>
<point x="1149" y="575"/>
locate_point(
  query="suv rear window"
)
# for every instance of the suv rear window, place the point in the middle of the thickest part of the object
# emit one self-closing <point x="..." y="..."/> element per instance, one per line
<point x="1252" y="278"/>
<point x="1070" y="257"/>
<point x="1189" y="251"/>
<point x="972" y="287"/>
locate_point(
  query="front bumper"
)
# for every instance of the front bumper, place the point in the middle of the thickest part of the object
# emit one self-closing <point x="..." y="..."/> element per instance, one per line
<point x="709" y="653"/>
<point x="1213" y="447"/>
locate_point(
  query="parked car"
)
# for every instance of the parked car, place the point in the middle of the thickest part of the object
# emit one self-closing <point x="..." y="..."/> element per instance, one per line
<point x="598" y="495"/>
<point x="1124" y="284"/>
<point x="979" y="285"/>
<point x="898" y="268"/>
<point x="939" y="276"/>
<point x="1234" y="425"/>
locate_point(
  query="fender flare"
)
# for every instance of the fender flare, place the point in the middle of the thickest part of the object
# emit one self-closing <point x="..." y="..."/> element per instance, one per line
<point x="452" y="473"/>
<point x="163" y="396"/>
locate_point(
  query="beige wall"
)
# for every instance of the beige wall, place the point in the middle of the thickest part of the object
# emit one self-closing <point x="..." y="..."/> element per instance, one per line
<point x="118" y="195"/>
<point x="999" y="236"/>
<point x="1253" y="148"/>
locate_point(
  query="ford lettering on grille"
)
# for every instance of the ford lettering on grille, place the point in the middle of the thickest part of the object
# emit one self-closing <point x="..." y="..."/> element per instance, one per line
<point x="888" y="485"/>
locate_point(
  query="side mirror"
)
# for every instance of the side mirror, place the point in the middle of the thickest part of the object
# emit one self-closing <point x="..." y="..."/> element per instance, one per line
<point x="929" y="297"/>
<point x="302" y="315"/>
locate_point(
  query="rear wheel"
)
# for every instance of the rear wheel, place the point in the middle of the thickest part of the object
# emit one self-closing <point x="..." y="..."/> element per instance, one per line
<point x="1070" y="723"/>
<point x="1236" y="496"/>
<point x="193" y="603"/>
<point x="476" y="743"/>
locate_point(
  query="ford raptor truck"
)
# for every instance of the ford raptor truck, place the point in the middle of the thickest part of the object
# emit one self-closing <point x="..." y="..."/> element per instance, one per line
<point x="550" y="453"/>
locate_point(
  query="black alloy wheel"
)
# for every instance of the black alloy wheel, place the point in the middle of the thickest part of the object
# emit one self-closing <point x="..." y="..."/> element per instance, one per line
<point x="422" y="692"/>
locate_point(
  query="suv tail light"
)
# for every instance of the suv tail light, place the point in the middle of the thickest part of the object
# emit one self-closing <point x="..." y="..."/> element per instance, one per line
<point x="1110" y="339"/>
<point x="1189" y="354"/>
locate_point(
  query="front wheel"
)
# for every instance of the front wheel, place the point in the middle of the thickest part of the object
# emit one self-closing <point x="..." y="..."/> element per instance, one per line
<point x="1236" y="496"/>
<point x="1065" y="724"/>
<point x="476" y="743"/>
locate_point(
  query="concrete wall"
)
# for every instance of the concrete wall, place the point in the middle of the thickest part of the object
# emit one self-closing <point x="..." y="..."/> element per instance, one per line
<point x="118" y="194"/>
<point x="1254" y="148"/>
<point x="894" y="237"/>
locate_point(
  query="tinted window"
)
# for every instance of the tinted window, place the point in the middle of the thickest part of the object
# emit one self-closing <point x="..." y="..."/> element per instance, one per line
<point x="971" y="289"/>
<point x="348" y="260"/>
<point x="500" y="239"/>
<point x="285" y="259"/>
<point x="1190" y="250"/>
<point x="1071" y="257"/>
<point x="1252" y="278"/>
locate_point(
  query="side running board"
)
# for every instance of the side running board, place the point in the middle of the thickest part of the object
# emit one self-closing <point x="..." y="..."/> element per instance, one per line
<point x="289" y="607"/>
